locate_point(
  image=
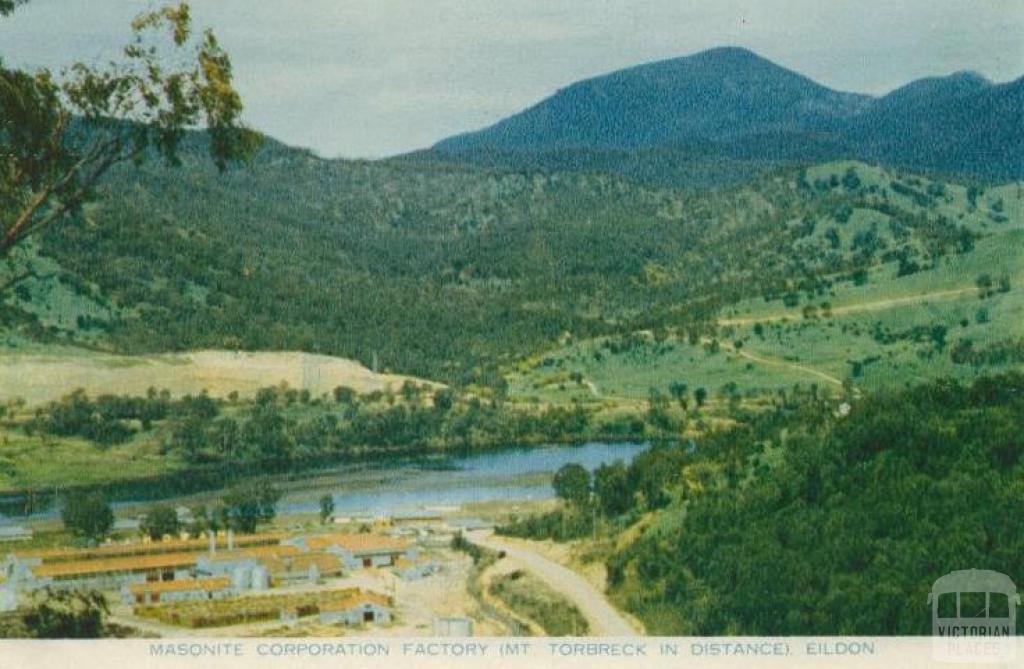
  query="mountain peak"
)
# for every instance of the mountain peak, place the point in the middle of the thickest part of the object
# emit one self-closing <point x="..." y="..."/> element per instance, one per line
<point x="971" y="76"/>
<point x="729" y="103"/>
<point x="733" y="53"/>
<point x="704" y="96"/>
<point x="931" y="90"/>
<point x="718" y="62"/>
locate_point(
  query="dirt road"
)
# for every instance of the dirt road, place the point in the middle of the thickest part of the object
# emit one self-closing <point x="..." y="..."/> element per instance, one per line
<point x="828" y="378"/>
<point x="876" y="305"/>
<point x="604" y="620"/>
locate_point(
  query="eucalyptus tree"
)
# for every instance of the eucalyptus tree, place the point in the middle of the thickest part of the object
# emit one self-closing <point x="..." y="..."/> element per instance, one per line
<point x="61" y="132"/>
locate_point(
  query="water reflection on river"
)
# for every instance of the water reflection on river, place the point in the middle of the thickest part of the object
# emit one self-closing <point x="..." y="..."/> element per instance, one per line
<point x="507" y="475"/>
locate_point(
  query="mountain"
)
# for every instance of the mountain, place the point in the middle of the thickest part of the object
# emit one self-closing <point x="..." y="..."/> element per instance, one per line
<point x="715" y="95"/>
<point x="702" y="115"/>
<point x="961" y="123"/>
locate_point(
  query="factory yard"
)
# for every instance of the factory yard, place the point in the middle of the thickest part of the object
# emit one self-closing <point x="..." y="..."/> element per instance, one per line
<point x="395" y="576"/>
<point x="417" y="607"/>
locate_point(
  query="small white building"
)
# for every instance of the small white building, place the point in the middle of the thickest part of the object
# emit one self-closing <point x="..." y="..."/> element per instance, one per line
<point x="453" y="627"/>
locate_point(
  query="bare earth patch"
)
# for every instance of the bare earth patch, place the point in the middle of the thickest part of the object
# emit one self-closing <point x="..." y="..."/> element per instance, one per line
<point x="41" y="378"/>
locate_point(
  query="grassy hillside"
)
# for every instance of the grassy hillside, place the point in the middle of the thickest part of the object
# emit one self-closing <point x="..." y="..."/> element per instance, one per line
<point x="437" y="272"/>
<point x="601" y="308"/>
<point x="897" y="316"/>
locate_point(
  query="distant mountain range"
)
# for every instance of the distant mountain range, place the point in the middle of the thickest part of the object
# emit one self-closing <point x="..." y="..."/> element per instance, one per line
<point x="718" y="115"/>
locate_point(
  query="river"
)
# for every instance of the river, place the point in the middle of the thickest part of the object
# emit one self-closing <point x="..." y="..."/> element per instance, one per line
<point x="507" y="475"/>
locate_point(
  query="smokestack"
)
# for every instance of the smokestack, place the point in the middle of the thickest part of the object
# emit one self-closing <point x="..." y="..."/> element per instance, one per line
<point x="213" y="543"/>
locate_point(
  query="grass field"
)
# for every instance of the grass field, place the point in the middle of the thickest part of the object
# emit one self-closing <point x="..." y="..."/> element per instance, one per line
<point x="46" y="375"/>
<point x="885" y="325"/>
<point x="630" y="375"/>
<point x="41" y="462"/>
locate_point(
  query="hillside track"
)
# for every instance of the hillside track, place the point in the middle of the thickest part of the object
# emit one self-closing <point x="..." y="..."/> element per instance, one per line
<point x="874" y="305"/>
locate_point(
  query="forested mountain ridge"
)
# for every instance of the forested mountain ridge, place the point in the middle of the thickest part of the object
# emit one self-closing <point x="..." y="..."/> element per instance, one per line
<point x="715" y="95"/>
<point x="718" y="115"/>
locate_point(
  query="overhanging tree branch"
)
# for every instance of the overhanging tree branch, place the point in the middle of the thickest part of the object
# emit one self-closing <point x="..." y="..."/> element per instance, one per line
<point x="167" y="83"/>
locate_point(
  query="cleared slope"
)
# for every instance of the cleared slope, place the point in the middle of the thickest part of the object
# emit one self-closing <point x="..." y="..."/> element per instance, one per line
<point x="39" y="378"/>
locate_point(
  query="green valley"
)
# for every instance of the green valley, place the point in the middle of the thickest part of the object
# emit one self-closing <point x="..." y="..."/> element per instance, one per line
<point x="652" y="311"/>
<point x="699" y="346"/>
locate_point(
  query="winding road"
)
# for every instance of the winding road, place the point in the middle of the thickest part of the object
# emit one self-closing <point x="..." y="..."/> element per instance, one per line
<point x="603" y="618"/>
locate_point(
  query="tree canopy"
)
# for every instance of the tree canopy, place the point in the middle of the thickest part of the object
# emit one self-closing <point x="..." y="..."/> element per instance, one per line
<point x="160" y="520"/>
<point x="572" y="484"/>
<point x="87" y="515"/>
<point x="809" y="522"/>
<point x="60" y="133"/>
<point x="249" y="504"/>
<point x="66" y="614"/>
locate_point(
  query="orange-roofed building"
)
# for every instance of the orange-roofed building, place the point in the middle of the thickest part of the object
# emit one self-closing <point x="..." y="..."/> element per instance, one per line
<point x="359" y="608"/>
<point x="303" y="567"/>
<point x="105" y="573"/>
<point x="49" y="555"/>
<point x="178" y="591"/>
<point x="414" y="570"/>
<point x="360" y="550"/>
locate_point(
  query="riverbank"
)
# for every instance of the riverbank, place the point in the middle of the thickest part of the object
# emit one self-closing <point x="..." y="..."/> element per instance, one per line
<point x="157" y="446"/>
<point x="373" y="489"/>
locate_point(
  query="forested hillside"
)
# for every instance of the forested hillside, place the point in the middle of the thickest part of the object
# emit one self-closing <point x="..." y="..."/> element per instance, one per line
<point x="811" y="521"/>
<point x="449" y="273"/>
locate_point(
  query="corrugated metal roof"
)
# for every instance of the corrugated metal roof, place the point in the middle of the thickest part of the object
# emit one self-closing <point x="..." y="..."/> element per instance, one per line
<point x="184" y="585"/>
<point x="144" y="548"/>
<point x="358" y="543"/>
<point x="324" y="562"/>
<point x="114" y="565"/>
<point x="354" y="600"/>
<point x="253" y="552"/>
